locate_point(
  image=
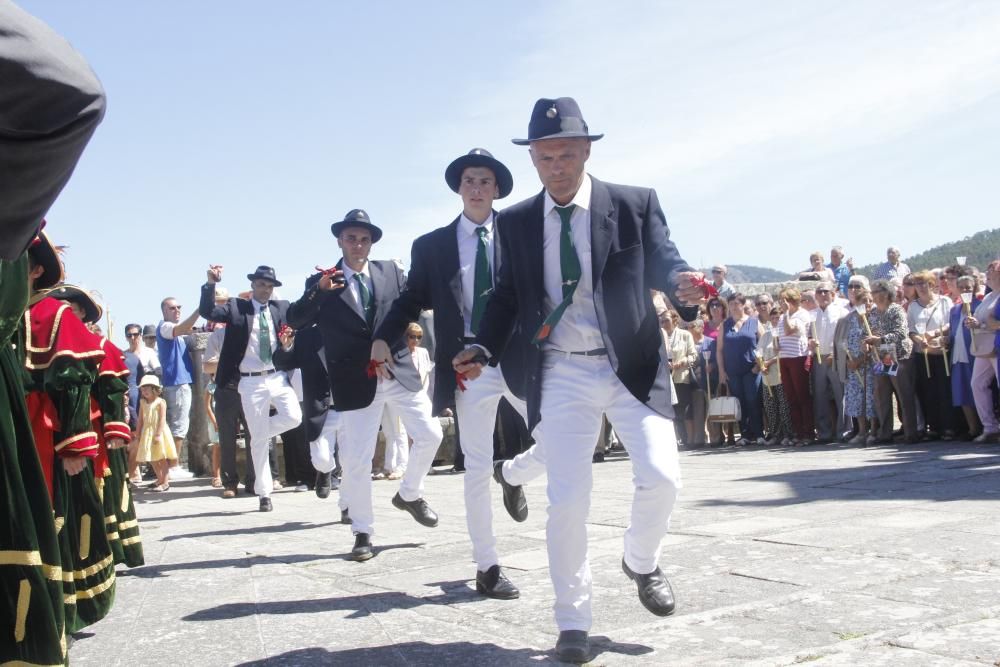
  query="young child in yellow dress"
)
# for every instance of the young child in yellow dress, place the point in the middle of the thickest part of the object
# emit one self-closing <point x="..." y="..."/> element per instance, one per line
<point x="156" y="444"/>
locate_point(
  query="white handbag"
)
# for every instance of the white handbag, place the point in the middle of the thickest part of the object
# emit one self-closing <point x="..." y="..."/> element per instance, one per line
<point x="724" y="410"/>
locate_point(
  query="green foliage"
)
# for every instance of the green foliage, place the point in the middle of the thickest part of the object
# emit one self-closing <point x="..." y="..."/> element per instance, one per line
<point x="979" y="250"/>
<point x="742" y="273"/>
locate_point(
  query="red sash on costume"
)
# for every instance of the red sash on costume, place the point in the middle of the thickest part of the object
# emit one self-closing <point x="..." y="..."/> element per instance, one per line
<point x="44" y="422"/>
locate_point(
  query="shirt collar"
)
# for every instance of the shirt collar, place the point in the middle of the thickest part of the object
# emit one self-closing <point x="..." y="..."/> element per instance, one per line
<point x="581" y="199"/>
<point x="469" y="227"/>
<point x="257" y="306"/>
<point x="349" y="272"/>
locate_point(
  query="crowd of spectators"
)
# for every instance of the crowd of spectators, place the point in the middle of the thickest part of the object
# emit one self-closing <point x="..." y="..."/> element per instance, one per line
<point x="836" y="356"/>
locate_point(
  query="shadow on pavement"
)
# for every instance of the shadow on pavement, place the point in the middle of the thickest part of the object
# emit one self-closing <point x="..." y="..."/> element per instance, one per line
<point x="937" y="471"/>
<point x="413" y="654"/>
<point x="360" y="605"/>
<point x="287" y="527"/>
<point x="156" y="571"/>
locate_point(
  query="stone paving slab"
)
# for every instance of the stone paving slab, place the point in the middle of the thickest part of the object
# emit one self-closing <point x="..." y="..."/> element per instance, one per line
<point x="826" y="555"/>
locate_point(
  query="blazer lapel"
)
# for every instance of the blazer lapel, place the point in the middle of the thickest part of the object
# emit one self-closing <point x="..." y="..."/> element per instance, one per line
<point x="378" y="288"/>
<point x="602" y="227"/>
<point x="348" y="297"/>
<point x="452" y="264"/>
<point x="533" y="244"/>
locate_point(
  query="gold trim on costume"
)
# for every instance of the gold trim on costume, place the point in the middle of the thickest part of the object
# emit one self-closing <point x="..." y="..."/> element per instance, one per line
<point x="26" y="558"/>
<point x="94" y="591"/>
<point x="52" y="334"/>
<point x="129" y="541"/>
<point x="125" y="525"/>
<point x="110" y="519"/>
<point x="84" y="536"/>
<point x="125" y="497"/>
<point x="93" y="569"/>
<point x="59" y="521"/>
<point x="113" y="536"/>
<point x="52" y="572"/>
<point x="69" y="599"/>
<point x="23" y="600"/>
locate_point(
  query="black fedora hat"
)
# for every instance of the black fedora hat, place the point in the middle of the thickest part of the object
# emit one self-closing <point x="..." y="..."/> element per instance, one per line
<point x="356" y="217"/>
<point x="560" y="118"/>
<point x="44" y="254"/>
<point x="479" y="157"/>
<point x="92" y="310"/>
<point x="264" y="273"/>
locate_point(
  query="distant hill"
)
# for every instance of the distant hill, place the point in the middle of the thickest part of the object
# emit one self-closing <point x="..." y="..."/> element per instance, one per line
<point x="979" y="250"/>
<point x="742" y="273"/>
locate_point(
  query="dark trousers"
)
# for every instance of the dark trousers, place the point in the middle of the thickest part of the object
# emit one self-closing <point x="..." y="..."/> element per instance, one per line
<point x="298" y="461"/>
<point x="746" y="388"/>
<point x="795" y="380"/>
<point x="934" y="392"/>
<point x="510" y="436"/>
<point x="229" y="415"/>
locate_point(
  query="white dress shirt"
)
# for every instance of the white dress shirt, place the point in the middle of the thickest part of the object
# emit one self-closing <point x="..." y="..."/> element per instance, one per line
<point x="352" y="284"/>
<point x="251" y="358"/>
<point x="825" y="322"/>
<point x="468" y="243"/>
<point x="578" y="330"/>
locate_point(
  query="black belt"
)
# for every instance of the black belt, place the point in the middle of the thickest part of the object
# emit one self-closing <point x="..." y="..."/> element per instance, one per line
<point x="258" y="373"/>
<point x="598" y="352"/>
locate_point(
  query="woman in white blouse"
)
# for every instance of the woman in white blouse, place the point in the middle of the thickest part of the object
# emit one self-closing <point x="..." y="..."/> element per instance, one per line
<point x="927" y="318"/>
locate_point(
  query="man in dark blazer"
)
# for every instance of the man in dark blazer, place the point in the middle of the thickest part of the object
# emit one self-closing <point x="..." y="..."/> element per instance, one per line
<point x="252" y="327"/>
<point x="347" y="306"/>
<point x="580" y="259"/>
<point x="452" y="272"/>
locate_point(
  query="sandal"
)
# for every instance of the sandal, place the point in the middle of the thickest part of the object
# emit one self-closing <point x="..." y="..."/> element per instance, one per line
<point x="161" y="487"/>
<point x="216" y="483"/>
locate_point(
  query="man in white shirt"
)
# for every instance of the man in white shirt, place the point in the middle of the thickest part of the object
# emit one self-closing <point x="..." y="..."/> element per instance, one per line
<point x="452" y="271"/>
<point x="828" y="388"/>
<point x="251" y="338"/>
<point x="577" y="275"/>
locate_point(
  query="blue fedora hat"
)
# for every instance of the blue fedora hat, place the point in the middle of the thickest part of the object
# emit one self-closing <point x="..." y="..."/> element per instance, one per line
<point x="356" y="217"/>
<point x="558" y="118"/>
<point x="479" y="157"/>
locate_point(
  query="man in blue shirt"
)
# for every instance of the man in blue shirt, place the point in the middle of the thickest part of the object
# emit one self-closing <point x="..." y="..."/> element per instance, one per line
<point x="176" y="362"/>
<point x="842" y="271"/>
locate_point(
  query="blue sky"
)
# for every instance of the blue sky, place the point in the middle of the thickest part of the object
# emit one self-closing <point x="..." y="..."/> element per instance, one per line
<point x="238" y="131"/>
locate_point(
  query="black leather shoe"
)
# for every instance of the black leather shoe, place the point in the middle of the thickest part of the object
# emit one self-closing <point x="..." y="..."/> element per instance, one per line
<point x="513" y="496"/>
<point x="322" y="485"/>
<point x="573" y="646"/>
<point x="345" y="516"/>
<point x="418" y="509"/>
<point x="493" y="583"/>
<point x="265" y="505"/>
<point x="362" y="547"/>
<point x="655" y="593"/>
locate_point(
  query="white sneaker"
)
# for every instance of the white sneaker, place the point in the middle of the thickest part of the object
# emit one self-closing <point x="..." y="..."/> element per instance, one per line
<point x="178" y="472"/>
<point x="302" y="487"/>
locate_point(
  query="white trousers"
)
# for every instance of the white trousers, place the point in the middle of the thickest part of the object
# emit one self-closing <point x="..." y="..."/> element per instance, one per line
<point x="984" y="371"/>
<point x="258" y="394"/>
<point x="323" y="449"/>
<point x="397" y="442"/>
<point x="576" y="390"/>
<point x="360" y="432"/>
<point x="476" y="408"/>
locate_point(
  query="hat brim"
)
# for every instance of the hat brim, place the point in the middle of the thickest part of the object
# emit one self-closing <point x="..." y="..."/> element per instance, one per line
<point x="92" y="311"/>
<point x="558" y="135"/>
<point x="453" y="174"/>
<point x="44" y="254"/>
<point x="339" y="227"/>
<point x="253" y="276"/>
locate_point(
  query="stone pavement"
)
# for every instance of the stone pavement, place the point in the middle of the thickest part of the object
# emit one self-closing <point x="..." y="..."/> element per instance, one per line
<point x="826" y="554"/>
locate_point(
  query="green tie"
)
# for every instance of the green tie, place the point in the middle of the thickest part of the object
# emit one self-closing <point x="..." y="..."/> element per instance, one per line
<point x="569" y="265"/>
<point x="483" y="283"/>
<point x="366" y="300"/>
<point x="264" y="337"/>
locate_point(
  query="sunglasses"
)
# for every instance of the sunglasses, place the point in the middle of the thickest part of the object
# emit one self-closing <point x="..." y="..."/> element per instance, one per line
<point x="823" y="291"/>
<point x="132" y="335"/>
<point x="412" y="337"/>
